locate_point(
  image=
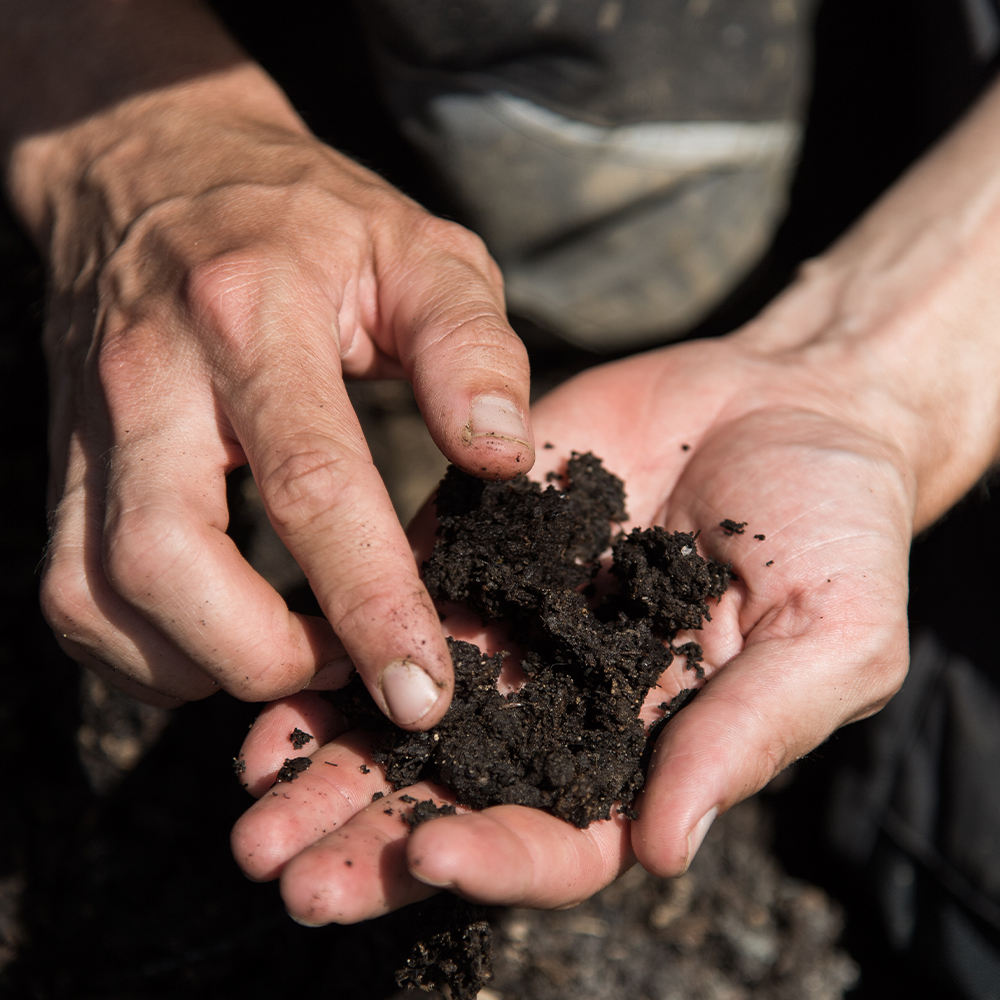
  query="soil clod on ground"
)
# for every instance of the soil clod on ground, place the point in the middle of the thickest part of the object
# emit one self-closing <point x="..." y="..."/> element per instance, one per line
<point x="455" y="950"/>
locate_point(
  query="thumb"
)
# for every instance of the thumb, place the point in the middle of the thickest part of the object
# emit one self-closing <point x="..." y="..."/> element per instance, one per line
<point x="767" y="708"/>
<point x="468" y="369"/>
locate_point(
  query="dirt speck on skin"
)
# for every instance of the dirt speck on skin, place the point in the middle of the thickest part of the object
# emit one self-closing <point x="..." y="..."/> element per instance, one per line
<point x="425" y="810"/>
<point x="299" y="739"/>
<point x="292" y="768"/>
<point x="731" y="527"/>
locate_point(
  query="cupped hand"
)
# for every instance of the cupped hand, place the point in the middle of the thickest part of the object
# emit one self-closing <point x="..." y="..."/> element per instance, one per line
<point x="810" y="635"/>
<point x="217" y="274"/>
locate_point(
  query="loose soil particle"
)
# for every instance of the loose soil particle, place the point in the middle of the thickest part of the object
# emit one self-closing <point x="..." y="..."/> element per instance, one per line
<point x="426" y="810"/>
<point x="299" y="739"/>
<point x="292" y="768"/>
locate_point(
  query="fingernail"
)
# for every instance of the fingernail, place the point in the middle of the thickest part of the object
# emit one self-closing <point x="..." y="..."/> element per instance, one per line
<point x="697" y="834"/>
<point x="429" y="881"/>
<point x="332" y="675"/>
<point x="305" y="923"/>
<point x="495" y="417"/>
<point x="409" y="692"/>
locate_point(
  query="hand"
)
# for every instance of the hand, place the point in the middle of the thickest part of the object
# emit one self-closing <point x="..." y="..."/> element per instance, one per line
<point x="852" y="413"/>
<point x="810" y="636"/>
<point x="216" y="274"/>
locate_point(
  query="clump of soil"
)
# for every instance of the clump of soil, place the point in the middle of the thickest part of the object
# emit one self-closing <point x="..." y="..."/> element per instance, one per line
<point x="570" y="740"/>
<point x="299" y="739"/>
<point x="292" y="768"/>
<point x="425" y="810"/>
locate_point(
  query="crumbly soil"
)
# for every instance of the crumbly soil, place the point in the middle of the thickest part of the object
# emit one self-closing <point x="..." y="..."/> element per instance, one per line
<point x="569" y="740"/>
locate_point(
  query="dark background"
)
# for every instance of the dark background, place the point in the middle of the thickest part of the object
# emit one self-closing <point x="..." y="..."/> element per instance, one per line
<point x="133" y="893"/>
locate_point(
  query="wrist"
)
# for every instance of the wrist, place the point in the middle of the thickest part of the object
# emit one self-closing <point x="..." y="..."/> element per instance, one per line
<point x="894" y="329"/>
<point x="915" y="368"/>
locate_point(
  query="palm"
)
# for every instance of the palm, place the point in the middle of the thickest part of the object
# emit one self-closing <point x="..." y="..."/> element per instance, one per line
<point x="810" y="635"/>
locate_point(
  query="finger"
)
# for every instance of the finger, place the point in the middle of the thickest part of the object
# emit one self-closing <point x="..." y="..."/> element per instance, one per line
<point x="444" y="301"/>
<point x="297" y="726"/>
<point x="329" y="505"/>
<point x="166" y="551"/>
<point x="515" y="856"/>
<point x="770" y="706"/>
<point x="91" y="622"/>
<point x="360" y="870"/>
<point x="293" y="815"/>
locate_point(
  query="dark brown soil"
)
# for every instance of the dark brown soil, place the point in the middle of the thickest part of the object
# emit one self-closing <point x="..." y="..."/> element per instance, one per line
<point x="455" y="952"/>
<point x="299" y="739"/>
<point x="426" y="810"/>
<point x="570" y="740"/>
<point x="292" y="768"/>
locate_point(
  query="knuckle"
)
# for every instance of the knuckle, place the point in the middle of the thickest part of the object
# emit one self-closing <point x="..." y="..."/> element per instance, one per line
<point x="224" y="294"/>
<point x="265" y="678"/>
<point x="140" y="548"/>
<point x="892" y="667"/>
<point x="451" y="236"/>
<point x="65" y="598"/>
<point x="456" y="241"/>
<point x="304" y="486"/>
<point x="365" y="600"/>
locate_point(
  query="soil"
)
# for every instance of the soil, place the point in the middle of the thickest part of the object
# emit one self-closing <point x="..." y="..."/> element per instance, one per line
<point x="569" y="740"/>
<point x="299" y="739"/>
<point x="426" y="810"/>
<point x="292" y="768"/>
<point x="455" y="952"/>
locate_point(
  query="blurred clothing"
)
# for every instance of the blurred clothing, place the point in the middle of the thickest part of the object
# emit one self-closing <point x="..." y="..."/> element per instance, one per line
<point x="626" y="161"/>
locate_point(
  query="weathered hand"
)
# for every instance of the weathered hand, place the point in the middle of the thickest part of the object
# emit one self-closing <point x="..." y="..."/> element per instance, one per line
<point x="217" y="273"/>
